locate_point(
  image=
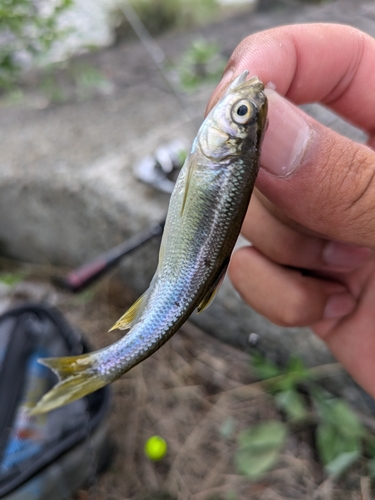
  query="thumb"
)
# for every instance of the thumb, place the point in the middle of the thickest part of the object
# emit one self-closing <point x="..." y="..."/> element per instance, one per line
<point x="320" y="179"/>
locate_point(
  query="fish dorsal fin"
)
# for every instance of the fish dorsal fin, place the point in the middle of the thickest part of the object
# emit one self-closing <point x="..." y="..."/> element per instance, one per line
<point x="127" y="319"/>
<point x="211" y="294"/>
<point x="238" y="81"/>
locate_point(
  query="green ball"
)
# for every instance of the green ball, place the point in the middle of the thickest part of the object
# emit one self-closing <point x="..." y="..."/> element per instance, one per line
<point x="155" y="448"/>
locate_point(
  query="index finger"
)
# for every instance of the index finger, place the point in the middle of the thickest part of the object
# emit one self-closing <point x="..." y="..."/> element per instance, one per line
<point x="327" y="63"/>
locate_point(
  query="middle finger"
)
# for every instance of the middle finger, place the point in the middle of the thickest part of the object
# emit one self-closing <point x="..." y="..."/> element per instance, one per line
<point x="290" y="247"/>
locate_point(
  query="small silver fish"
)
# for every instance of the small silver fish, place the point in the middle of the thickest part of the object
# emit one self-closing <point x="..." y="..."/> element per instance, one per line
<point x="205" y="215"/>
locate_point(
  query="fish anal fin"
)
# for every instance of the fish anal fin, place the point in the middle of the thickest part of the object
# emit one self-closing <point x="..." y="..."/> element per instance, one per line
<point x="211" y="294"/>
<point x="127" y="319"/>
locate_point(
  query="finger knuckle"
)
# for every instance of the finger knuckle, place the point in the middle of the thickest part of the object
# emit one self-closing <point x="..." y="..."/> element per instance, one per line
<point x="350" y="187"/>
<point x="292" y="308"/>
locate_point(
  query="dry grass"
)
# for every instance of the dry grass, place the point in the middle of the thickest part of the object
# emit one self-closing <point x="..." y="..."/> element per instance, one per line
<point x="185" y="392"/>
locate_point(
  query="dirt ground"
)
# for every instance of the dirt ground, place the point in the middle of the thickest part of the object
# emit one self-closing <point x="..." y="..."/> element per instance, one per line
<point x="188" y="392"/>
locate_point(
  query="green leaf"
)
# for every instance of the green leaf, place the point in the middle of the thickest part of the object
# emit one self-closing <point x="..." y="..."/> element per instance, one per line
<point x="342" y="462"/>
<point x="25" y="29"/>
<point x="263" y="367"/>
<point x="339" y="433"/>
<point x="294" y="374"/>
<point x="331" y="442"/>
<point x="201" y="63"/>
<point x="297" y="368"/>
<point x="10" y="279"/>
<point x="292" y="403"/>
<point x="268" y="433"/>
<point x="282" y="379"/>
<point x="259" y="448"/>
<point x="255" y="465"/>
<point x="326" y="442"/>
<point x="346" y="420"/>
<point x="340" y="416"/>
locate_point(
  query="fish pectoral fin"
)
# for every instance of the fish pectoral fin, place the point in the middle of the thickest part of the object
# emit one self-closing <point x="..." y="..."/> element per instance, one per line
<point x="211" y="294"/>
<point x="189" y="176"/>
<point x="127" y="319"/>
<point x="77" y="378"/>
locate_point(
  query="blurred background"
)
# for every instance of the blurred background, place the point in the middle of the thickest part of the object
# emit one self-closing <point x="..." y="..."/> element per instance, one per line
<point x="99" y="103"/>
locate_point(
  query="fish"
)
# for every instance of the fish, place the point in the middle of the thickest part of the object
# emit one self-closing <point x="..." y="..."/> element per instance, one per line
<point x="204" y="219"/>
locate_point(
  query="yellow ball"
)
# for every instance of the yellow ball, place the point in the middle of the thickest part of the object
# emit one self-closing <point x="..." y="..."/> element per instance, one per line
<point x="155" y="448"/>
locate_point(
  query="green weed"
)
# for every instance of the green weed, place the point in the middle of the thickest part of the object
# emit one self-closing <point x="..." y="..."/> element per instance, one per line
<point x="26" y="30"/>
<point x="162" y="15"/>
<point x="340" y="437"/>
<point x="78" y="81"/>
<point x="11" y="279"/>
<point x="201" y="63"/>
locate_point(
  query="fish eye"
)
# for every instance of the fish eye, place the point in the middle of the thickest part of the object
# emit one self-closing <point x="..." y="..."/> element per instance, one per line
<point x="242" y="112"/>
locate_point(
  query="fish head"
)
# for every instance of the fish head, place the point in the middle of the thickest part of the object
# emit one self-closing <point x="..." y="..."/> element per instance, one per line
<point x="237" y="122"/>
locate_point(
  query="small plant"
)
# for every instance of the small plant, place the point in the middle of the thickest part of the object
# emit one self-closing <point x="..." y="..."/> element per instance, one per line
<point x="11" y="279"/>
<point x="77" y="81"/>
<point x="51" y="88"/>
<point x="259" y="448"/>
<point x="162" y="15"/>
<point x="284" y="383"/>
<point x="340" y="437"/>
<point x="339" y="433"/>
<point x="88" y="80"/>
<point x="201" y="63"/>
<point x="27" y="29"/>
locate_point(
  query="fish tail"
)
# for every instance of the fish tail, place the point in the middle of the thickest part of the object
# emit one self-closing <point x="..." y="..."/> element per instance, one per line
<point x="77" y="378"/>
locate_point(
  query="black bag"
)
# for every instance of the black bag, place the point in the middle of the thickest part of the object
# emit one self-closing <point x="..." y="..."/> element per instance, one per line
<point x="45" y="456"/>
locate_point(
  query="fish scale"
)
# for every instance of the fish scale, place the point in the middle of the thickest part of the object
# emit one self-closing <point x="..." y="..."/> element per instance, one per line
<point x="205" y="215"/>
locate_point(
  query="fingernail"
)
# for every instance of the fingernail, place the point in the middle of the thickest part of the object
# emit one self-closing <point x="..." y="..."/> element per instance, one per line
<point x="338" y="305"/>
<point x="344" y="255"/>
<point x="227" y="77"/>
<point x="287" y="136"/>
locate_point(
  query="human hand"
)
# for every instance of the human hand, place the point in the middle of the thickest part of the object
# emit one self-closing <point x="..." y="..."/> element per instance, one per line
<point x="312" y="220"/>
